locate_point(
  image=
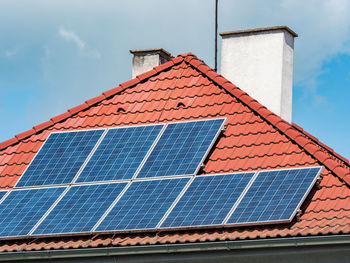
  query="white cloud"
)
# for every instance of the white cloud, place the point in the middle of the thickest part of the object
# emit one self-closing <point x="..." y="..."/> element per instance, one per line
<point x="71" y="36"/>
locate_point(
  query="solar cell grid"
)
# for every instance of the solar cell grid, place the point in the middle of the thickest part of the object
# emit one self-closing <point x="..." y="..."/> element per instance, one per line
<point x="143" y="204"/>
<point x="80" y="209"/>
<point x="22" y="209"/>
<point x="120" y="153"/>
<point x="181" y="148"/>
<point x="274" y="196"/>
<point x="60" y="158"/>
<point x="208" y="200"/>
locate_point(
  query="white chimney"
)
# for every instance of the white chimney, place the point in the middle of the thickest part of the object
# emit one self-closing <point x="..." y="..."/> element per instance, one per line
<point x="260" y="62"/>
<point x="145" y="59"/>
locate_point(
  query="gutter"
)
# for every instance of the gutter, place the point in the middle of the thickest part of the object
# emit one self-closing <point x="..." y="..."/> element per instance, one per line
<point x="178" y="248"/>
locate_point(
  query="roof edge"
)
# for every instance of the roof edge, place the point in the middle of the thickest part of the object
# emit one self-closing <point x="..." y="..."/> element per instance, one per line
<point x="180" y="248"/>
<point x="316" y="140"/>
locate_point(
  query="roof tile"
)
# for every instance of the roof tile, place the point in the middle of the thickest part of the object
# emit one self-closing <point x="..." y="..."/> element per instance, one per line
<point x="112" y="92"/>
<point x="164" y="66"/>
<point x="8" y="142"/>
<point x="25" y="134"/>
<point x="61" y="117"/>
<point x="43" y="126"/>
<point x="146" y="75"/>
<point x="129" y="83"/>
<point x="79" y="108"/>
<point x="95" y="100"/>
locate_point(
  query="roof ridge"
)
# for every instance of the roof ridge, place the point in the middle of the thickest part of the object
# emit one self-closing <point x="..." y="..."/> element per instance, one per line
<point x="91" y="102"/>
<point x="289" y="130"/>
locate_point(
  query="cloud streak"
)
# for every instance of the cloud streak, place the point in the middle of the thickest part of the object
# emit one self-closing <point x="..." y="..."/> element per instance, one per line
<point x="71" y="36"/>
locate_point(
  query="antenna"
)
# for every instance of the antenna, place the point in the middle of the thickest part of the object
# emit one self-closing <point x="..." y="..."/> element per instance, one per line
<point x="216" y="36"/>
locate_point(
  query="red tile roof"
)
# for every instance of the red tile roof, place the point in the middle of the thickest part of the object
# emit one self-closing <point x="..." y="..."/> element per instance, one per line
<point x="255" y="138"/>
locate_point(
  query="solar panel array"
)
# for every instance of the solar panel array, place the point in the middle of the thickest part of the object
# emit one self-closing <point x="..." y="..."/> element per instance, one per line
<point x="143" y="177"/>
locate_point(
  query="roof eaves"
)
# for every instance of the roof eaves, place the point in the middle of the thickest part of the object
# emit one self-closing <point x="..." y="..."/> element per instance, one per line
<point x="181" y="247"/>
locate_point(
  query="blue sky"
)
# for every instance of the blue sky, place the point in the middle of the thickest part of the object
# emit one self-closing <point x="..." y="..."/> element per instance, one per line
<point x="55" y="55"/>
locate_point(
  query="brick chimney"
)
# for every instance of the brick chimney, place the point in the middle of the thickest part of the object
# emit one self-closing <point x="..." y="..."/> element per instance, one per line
<point x="260" y="62"/>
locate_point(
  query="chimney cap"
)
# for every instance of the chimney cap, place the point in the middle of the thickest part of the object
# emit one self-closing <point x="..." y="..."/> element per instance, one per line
<point x="141" y="52"/>
<point x="260" y="29"/>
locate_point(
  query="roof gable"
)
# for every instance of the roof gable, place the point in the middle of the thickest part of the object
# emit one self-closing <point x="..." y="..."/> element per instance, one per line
<point x="255" y="139"/>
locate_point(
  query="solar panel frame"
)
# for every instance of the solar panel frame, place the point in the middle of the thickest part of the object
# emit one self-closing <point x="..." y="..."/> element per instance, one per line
<point x="40" y="149"/>
<point x="297" y="208"/>
<point x="6" y="193"/>
<point x="205" y="155"/>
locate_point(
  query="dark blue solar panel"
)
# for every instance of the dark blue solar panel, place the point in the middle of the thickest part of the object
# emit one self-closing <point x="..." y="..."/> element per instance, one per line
<point x="22" y="209"/>
<point x="274" y="196"/>
<point x="60" y="158"/>
<point x="80" y="209"/>
<point x="120" y="153"/>
<point x="208" y="200"/>
<point x="143" y="205"/>
<point x="181" y="148"/>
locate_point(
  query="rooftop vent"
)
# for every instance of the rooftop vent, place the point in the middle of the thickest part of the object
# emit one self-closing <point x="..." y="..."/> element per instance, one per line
<point x="260" y="62"/>
<point x="145" y="59"/>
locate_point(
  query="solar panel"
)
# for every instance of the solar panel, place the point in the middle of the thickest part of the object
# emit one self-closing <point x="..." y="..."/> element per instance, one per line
<point x="208" y="200"/>
<point x="60" y="158"/>
<point x="181" y="148"/>
<point x="120" y="153"/>
<point x="22" y="209"/>
<point x="80" y="208"/>
<point x="143" y="204"/>
<point x="275" y="196"/>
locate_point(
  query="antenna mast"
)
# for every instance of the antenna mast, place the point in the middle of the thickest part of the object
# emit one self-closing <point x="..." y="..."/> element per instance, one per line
<point x="216" y="36"/>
